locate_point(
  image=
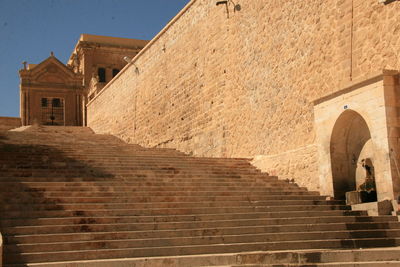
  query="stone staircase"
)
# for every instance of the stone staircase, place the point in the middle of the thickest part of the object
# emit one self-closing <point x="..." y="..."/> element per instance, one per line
<point x="69" y="197"/>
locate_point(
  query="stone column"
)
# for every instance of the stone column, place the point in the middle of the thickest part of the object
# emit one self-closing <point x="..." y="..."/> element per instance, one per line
<point x="22" y="107"/>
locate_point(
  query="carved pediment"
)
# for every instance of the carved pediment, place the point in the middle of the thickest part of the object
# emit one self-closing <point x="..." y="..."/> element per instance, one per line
<point x="52" y="70"/>
<point x="51" y="78"/>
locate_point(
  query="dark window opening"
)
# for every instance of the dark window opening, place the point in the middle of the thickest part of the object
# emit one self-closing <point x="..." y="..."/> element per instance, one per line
<point x="56" y="102"/>
<point x="101" y="72"/>
<point x="115" y="72"/>
<point x="44" y="102"/>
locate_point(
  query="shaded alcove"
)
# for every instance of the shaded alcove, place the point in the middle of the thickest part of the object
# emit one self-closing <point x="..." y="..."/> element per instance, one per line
<point x="350" y="136"/>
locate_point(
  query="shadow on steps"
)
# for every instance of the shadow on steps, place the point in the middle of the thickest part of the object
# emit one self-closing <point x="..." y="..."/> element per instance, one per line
<point x="26" y="201"/>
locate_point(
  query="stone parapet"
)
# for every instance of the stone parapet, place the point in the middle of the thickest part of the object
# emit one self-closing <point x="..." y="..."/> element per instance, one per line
<point x="7" y="123"/>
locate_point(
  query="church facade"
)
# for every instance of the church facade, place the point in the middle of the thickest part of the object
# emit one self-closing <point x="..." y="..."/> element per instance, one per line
<point x="53" y="93"/>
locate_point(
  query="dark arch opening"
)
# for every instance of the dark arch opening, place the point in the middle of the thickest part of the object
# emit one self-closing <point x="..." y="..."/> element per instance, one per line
<point x="349" y="136"/>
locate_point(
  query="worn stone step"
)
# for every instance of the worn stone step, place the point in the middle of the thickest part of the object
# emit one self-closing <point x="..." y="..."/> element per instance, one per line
<point x="163" y="230"/>
<point x="169" y="210"/>
<point x="358" y="263"/>
<point x="149" y="184"/>
<point x="311" y="258"/>
<point x="121" y="212"/>
<point x="47" y="154"/>
<point x="139" y="176"/>
<point x="246" y="194"/>
<point x="201" y="240"/>
<point x="78" y="204"/>
<point x="227" y="219"/>
<point x="24" y="198"/>
<point x="148" y="190"/>
<point x="198" y="249"/>
<point x="245" y="227"/>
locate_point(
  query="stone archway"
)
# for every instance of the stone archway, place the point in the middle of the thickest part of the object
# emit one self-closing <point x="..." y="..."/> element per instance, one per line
<point x="350" y="142"/>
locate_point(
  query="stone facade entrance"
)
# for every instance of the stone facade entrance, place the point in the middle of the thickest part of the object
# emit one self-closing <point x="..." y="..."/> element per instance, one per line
<point x="51" y="94"/>
<point x="355" y="130"/>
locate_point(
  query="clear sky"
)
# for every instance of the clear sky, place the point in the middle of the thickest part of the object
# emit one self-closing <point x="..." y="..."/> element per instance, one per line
<point x="31" y="29"/>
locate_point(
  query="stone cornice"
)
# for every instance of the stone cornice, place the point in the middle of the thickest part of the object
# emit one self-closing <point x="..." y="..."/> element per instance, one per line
<point x="353" y="85"/>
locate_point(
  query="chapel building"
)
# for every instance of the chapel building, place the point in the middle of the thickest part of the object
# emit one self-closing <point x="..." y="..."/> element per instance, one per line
<point x="54" y="93"/>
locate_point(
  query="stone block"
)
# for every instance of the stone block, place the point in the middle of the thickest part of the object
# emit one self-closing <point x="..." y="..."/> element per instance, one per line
<point x="375" y="208"/>
<point x="353" y="197"/>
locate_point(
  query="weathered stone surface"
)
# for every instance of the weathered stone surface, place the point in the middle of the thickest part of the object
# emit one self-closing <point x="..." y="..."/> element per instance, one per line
<point x="242" y="84"/>
<point x="67" y="194"/>
<point x="7" y="123"/>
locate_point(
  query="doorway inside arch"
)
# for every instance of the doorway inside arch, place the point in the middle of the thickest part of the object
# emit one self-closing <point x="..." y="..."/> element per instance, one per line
<point x="352" y="157"/>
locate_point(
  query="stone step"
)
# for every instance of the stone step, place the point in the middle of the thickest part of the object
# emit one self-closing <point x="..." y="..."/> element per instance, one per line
<point x="199" y="229"/>
<point x="35" y="192"/>
<point x="370" y="257"/>
<point x="212" y="219"/>
<point x="130" y="156"/>
<point x="25" y="198"/>
<point x="170" y="208"/>
<point x="140" y="176"/>
<point x="16" y="161"/>
<point x="310" y="257"/>
<point x="122" y="212"/>
<point x="158" y="230"/>
<point x="282" y="205"/>
<point x="201" y="240"/>
<point x="150" y="190"/>
<point x="149" y="184"/>
<point x="337" y="264"/>
<point x="197" y="249"/>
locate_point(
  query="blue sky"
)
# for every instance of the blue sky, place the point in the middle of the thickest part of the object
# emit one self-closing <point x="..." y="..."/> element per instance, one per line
<point x="30" y="29"/>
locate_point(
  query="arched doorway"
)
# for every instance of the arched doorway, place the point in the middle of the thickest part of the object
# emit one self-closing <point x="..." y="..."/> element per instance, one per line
<point x="350" y="144"/>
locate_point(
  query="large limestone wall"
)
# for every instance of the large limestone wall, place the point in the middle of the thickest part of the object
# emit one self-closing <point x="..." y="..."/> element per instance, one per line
<point x="242" y="84"/>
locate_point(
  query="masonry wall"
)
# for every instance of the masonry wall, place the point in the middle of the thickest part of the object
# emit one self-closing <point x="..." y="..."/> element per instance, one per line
<point x="7" y="123"/>
<point x="242" y="84"/>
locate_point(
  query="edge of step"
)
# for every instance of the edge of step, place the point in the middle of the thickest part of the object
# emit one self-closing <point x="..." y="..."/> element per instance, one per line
<point x="230" y="259"/>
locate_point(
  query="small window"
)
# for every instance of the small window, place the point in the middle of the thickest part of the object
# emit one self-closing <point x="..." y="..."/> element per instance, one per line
<point x="44" y="102"/>
<point x="115" y="72"/>
<point x="56" y="103"/>
<point x="101" y="72"/>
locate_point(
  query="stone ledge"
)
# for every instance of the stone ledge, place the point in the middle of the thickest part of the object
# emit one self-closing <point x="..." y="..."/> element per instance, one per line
<point x="375" y="208"/>
<point x="7" y="123"/>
